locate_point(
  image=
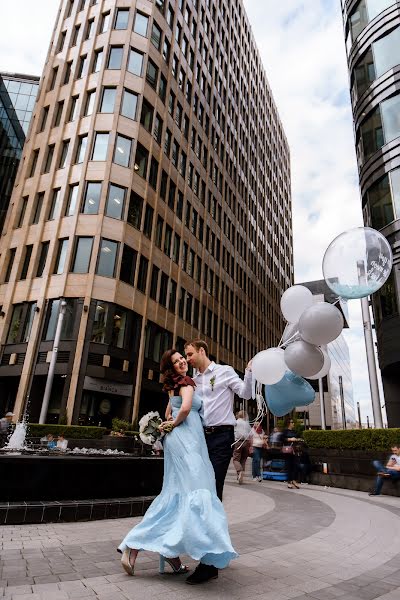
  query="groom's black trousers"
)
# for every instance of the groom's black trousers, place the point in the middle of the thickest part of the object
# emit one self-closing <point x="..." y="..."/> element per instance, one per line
<point x="220" y="442"/>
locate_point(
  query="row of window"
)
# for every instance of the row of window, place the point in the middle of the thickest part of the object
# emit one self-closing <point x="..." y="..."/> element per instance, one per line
<point x="362" y="14"/>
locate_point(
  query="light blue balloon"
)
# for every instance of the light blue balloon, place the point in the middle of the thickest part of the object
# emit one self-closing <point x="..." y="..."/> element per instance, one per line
<point x="291" y="391"/>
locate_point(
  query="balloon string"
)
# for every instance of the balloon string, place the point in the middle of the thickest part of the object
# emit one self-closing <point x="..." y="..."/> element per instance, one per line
<point x="262" y="411"/>
<point x="290" y="339"/>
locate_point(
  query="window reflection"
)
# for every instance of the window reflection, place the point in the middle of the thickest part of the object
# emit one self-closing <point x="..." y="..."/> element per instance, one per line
<point x="100" y="323"/>
<point x="381" y="127"/>
<point x="363" y="13"/>
<point x="15" y="324"/>
<point x="119" y="328"/>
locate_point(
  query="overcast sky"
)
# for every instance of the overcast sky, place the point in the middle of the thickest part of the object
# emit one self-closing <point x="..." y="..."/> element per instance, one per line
<point x="302" y="47"/>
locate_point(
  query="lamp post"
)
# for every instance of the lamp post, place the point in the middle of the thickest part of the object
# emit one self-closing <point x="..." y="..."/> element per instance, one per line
<point x="322" y="402"/>
<point x="359" y="415"/>
<point x="52" y="366"/>
<point x="369" y="347"/>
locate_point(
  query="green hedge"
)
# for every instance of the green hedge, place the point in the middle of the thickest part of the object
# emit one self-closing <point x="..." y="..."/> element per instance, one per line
<point x="71" y="432"/>
<point x="353" y="439"/>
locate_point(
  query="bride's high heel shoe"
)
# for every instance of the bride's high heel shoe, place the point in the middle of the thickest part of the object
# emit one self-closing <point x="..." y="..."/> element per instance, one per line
<point x="177" y="570"/>
<point x="126" y="561"/>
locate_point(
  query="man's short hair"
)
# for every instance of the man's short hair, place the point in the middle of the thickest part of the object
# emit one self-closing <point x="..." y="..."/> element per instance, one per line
<point x="198" y="343"/>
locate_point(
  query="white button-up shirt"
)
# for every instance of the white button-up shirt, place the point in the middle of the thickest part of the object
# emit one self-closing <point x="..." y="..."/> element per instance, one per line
<point x="217" y="387"/>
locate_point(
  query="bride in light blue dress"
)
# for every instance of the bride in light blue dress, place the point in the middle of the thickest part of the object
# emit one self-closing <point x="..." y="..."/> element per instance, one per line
<point x="187" y="517"/>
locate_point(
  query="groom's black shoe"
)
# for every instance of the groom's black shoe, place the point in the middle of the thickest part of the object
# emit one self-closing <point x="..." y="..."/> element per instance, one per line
<point x="202" y="574"/>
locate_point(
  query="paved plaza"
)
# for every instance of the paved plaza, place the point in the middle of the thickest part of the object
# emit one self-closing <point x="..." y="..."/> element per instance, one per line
<point x="314" y="543"/>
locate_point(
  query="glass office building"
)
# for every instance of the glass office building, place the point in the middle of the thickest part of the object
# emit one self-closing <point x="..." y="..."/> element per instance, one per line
<point x="372" y="31"/>
<point x="17" y="99"/>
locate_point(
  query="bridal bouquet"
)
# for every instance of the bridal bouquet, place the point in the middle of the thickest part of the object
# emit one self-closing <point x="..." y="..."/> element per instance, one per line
<point x="149" y="428"/>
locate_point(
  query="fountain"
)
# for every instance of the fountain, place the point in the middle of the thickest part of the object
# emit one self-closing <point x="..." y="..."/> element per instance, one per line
<point x="48" y="485"/>
<point x="17" y="438"/>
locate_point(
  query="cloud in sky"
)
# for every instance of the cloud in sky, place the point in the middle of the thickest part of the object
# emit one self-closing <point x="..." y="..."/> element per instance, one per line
<point x="301" y="43"/>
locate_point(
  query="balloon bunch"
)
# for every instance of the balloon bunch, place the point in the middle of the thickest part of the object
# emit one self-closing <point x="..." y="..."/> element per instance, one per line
<point x="356" y="264"/>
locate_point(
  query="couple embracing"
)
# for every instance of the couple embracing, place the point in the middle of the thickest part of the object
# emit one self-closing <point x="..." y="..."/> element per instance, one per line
<point x="188" y="517"/>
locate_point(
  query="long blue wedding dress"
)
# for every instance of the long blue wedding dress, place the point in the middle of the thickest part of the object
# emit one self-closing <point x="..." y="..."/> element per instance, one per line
<point x="187" y="517"/>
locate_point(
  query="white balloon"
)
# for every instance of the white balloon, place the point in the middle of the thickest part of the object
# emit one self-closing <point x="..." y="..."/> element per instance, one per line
<point x="321" y="323"/>
<point x="291" y="332"/>
<point x="325" y="368"/>
<point x="269" y="366"/>
<point x="303" y="358"/>
<point x="294" y="301"/>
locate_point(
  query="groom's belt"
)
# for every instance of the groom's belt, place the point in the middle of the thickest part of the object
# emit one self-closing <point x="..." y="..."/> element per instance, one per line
<point x="218" y="428"/>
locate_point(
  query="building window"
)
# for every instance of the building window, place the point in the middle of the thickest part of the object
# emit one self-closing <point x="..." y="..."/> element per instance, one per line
<point x="64" y="154"/>
<point x="162" y="88"/>
<point x="49" y="158"/>
<point x="154" y="282"/>
<point x="57" y="116"/>
<point x="38" y="208"/>
<point x="67" y="72"/>
<point x="107" y="258"/>
<point x="142" y="275"/>
<point x="98" y="60"/>
<point x="61" y="256"/>
<point x="146" y="117"/>
<point x="43" y="120"/>
<point x="172" y="296"/>
<point x="153" y="173"/>
<point x="159" y="231"/>
<point x="15" y="324"/>
<point x="82" y="67"/>
<point x="22" y="212"/>
<point x="176" y="248"/>
<point x="152" y="74"/>
<point x="141" y="161"/>
<point x="115" y="201"/>
<point x="105" y="22"/>
<point x="91" y="200"/>
<point x="100" y="146"/>
<point x="135" y="62"/>
<point x="34" y="160"/>
<point x="72" y="200"/>
<point x="129" y="104"/>
<point x="81" y="149"/>
<point x="156" y="36"/>
<point x="157" y="129"/>
<point x="82" y="255"/>
<point x="68" y="322"/>
<point x="10" y="264"/>
<point x="115" y="57"/>
<point x="119" y="327"/>
<point x="89" y="29"/>
<point x="128" y="265"/>
<point x="148" y="221"/>
<point x="141" y="24"/>
<point x="44" y="250"/>
<point x="122" y="152"/>
<point x="134" y="217"/>
<point x="27" y="260"/>
<point x="121" y="18"/>
<point x="55" y="206"/>
<point x="108" y="100"/>
<point x="167" y="240"/>
<point x="53" y="78"/>
<point x="100" y="323"/>
<point x="75" y="34"/>
<point x="163" y="290"/>
<point x="90" y="98"/>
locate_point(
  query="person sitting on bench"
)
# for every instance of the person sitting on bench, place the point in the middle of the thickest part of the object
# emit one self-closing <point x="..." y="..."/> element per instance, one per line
<point x="391" y="471"/>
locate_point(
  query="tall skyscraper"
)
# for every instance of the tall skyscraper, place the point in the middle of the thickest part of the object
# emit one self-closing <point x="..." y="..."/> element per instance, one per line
<point x="154" y="198"/>
<point x="17" y="98"/>
<point x="372" y="31"/>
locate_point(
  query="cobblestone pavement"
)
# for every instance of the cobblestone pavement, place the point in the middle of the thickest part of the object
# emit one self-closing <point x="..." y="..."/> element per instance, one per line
<point x="313" y="543"/>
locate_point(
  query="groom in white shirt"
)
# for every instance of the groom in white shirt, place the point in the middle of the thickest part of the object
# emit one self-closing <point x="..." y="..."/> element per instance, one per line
<point x="216" y="385"/>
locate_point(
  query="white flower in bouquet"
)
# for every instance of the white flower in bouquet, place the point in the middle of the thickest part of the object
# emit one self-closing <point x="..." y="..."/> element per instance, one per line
<point x="149" y="428"/>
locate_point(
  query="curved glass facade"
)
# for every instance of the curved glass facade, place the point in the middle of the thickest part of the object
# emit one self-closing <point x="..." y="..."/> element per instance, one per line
<point x="382" y="201"/>
<point x="361" y="15"/>
<point x="384" y="54"/>
<point x="379" y="128"/>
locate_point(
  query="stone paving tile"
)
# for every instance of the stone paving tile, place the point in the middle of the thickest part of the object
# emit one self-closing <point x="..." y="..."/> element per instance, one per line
<point x="315" y="544"/>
